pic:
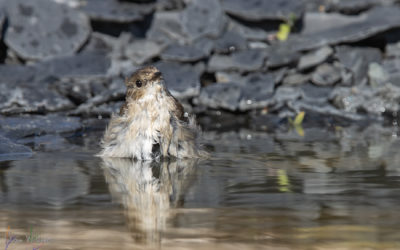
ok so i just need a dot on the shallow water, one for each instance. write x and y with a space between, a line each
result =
327 189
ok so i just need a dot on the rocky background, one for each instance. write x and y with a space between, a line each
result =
63 62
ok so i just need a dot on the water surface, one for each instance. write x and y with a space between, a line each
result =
328 189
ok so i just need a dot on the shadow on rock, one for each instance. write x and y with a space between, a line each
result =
148 191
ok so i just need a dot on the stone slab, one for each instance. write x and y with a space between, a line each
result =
375 21
245 60
35 125
182 80
183 53
203 18
255 10
116 11
34 34
314 58
31 99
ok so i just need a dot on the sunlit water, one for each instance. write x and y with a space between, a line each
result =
328 189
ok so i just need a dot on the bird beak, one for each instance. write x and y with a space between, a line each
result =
157 76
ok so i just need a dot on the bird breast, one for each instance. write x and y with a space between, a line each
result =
149 116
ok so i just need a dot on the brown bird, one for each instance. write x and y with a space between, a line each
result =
151 123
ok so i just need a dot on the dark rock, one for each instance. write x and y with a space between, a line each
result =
183 53
80 89
347 76
2 18
139 1
249 33
48 143
116 11
392 69
204 44
99 42
257 91
314 94
166 28
181 80
91 63
357 60
314 58
246 60
220 96
107 109
34 34
203 18
140 51
229 42
77 91
314 22
317 6
373 100
10 150
357 6
114 92
377 75
323 109
347 99
294 78
326 74
19 127
17 74
100 111
281 56
31 99
393 50
375 21
254 10
228 76
386 98
284 94
170 4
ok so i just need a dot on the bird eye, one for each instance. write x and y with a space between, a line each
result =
138 83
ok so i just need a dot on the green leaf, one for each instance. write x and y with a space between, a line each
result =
299 130
283 181
284 31
299 118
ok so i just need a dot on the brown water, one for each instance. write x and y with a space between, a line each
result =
328 189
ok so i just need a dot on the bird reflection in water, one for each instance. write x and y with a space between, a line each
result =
148 191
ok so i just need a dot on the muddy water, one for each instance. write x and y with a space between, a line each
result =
324 189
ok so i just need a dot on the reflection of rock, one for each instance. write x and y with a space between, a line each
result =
148 190
10 150
49 179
